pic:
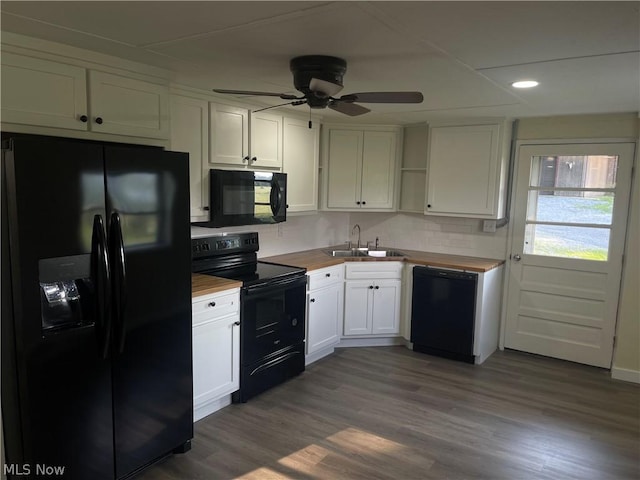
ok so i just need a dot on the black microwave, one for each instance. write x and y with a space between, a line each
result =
244 197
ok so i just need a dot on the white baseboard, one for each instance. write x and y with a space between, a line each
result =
371 342
315 356
210 407
625 374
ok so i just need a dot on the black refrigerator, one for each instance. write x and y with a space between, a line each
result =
96 306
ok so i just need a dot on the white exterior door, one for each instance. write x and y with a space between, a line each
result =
570 211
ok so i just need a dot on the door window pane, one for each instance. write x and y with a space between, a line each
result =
586 243
575 171
595 208
573 193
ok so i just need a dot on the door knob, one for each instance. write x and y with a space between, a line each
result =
516 257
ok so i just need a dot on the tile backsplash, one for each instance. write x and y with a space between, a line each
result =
301 232
457 236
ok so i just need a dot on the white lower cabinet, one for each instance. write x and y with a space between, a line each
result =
216 351
372 298
325 302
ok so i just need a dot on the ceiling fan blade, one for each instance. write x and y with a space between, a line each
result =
384 97
328 89
351 109
297 102
284 96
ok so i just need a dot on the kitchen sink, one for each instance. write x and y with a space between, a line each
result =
352 252
385 253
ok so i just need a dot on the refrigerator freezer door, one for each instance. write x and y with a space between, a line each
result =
148 208
55 187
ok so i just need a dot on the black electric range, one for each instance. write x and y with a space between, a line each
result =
272 309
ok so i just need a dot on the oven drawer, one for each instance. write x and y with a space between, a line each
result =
215 306
325 276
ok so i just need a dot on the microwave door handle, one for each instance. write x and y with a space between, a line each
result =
276 197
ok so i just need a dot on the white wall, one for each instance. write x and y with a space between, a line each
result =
457 236
298 233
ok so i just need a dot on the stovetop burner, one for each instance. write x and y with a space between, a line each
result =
233 256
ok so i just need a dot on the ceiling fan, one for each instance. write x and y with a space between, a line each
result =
319 78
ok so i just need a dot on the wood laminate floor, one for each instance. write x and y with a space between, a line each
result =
390 413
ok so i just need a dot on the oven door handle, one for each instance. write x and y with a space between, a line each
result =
274 362
273 285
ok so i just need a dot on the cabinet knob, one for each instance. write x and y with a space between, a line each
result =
327 274
236 323
254 159
364 203
357 203
370 287
429 205
212 304
84 118
206 209
99 120
377 287
245 159
312 300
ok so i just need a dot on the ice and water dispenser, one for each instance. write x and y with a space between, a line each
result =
65 293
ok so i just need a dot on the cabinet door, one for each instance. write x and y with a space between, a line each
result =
324 318
345 169
229 138
378 169
300 163
357 307
190 133
126 106
386 307
44 93
463 170
266 140
216 357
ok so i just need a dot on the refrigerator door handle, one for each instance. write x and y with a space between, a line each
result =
119 278
100 275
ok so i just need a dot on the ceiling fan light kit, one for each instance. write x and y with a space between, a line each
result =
319 78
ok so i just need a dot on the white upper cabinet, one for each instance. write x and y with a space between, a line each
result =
125 106
265 131
467 169
45 93
190 133
239 138
300 163
361 167
229 139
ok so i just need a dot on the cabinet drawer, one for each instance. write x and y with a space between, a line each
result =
215 306
325 276
370 270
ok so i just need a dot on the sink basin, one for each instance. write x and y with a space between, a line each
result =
353 252
385 253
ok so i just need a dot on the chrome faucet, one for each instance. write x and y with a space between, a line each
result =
352 230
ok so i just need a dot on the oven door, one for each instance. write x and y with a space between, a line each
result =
247 197
272 317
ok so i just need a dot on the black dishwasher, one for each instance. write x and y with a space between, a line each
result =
443 312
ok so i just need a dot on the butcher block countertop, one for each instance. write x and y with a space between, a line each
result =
206 284
319 258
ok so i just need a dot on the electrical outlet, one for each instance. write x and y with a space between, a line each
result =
489 226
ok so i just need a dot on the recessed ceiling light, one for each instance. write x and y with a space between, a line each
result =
525 84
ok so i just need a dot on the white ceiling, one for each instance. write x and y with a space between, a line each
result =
461 55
